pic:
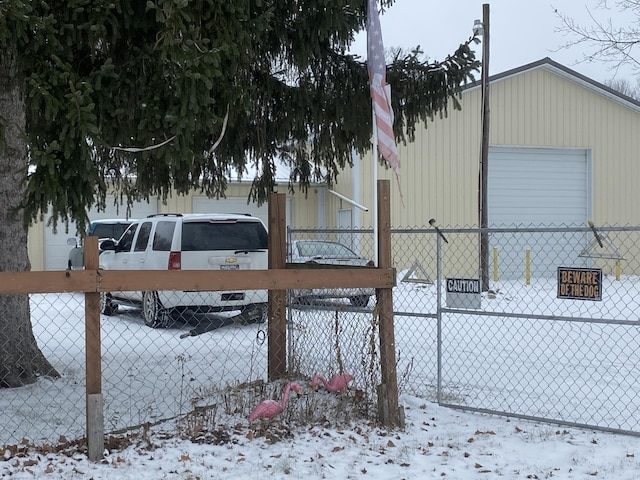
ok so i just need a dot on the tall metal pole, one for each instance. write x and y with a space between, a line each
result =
484 153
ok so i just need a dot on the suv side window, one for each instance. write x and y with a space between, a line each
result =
163 236
143 237
126 242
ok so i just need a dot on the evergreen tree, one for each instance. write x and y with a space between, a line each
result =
143 98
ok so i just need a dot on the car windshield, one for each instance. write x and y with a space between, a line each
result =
324 249
201 236
109 230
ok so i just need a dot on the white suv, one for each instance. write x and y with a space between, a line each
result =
189 242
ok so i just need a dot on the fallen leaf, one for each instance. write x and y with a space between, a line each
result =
477 465
390 444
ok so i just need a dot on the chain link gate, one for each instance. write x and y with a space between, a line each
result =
535 351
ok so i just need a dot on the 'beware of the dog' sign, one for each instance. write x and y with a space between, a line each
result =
580 283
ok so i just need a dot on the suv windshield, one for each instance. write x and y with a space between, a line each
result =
324 249
108 230
200 236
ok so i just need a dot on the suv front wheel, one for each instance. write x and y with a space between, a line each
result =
155 315
107 307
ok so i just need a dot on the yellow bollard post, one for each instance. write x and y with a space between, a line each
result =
527 267
618 270
495 264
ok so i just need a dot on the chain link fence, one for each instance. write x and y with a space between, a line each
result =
148 374
523 351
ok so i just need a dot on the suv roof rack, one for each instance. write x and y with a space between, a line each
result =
164 215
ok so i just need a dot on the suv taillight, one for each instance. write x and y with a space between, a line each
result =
175 261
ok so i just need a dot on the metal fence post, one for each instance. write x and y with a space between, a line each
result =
95 415
439 316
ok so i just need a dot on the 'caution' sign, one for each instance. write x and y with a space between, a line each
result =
580 283
463 293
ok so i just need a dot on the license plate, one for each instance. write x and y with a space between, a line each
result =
229 267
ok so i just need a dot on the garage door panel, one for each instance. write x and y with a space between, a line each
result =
536 187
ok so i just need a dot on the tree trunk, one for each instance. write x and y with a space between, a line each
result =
21 361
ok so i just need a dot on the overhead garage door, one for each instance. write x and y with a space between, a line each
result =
56 250
203 204
538 187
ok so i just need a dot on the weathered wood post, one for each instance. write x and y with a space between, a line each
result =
95 414
277 327
388 391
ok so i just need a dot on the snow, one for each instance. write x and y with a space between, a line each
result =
321 435
436 443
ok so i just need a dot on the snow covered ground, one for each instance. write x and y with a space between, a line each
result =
437 443
153 375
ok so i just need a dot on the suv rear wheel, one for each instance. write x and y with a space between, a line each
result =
155 315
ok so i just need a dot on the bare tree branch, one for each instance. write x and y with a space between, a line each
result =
612 34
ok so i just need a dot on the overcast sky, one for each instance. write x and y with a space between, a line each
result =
521 32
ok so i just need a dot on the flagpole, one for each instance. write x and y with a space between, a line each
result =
374 166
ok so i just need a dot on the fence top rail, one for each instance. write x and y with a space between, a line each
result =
466 230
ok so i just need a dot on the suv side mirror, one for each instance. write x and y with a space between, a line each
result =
109 244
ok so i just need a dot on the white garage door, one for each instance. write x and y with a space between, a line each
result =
538 187
56 250
236 205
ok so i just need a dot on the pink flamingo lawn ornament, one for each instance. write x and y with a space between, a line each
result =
337 383
271 408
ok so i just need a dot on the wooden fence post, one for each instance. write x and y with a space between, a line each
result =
94 401
277 327
389 412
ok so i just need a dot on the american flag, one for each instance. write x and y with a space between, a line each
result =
380 90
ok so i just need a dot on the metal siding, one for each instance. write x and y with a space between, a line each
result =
535 108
